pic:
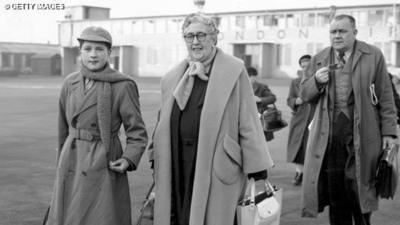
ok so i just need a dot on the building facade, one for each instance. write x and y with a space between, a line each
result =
269 40
29 58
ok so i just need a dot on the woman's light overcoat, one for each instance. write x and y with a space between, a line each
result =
231 144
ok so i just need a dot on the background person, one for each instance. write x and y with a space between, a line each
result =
263 97
354 120
91 185
208 137
301 118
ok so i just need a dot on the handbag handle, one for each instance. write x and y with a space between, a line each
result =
271 106
252 187
150 190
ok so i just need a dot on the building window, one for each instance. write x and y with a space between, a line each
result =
114 62
239 21
279 55
6 60
361 18
275 20
375 17
323 19
161 26
152 58
281 21
389 19
173 25
28 60
251 22
288 55
86 13
309 20
223 23
217 21
387 51
284 55
290 21
149 27
267 20
137 27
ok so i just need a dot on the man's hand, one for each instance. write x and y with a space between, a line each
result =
298 101
322 75
257 99
119 165
388 142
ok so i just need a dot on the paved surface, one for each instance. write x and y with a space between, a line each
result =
28 113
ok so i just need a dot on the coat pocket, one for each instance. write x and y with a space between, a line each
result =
228 160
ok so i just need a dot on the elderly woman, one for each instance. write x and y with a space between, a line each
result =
91 184
208 136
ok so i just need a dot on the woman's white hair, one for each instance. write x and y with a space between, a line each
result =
201 18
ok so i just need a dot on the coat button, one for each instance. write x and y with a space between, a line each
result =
94 125
84 173
73 144
317 156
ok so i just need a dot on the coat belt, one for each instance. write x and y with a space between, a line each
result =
82 134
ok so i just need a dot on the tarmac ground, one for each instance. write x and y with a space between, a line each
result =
28 115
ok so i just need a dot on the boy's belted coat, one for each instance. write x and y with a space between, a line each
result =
231 144
86 191
371 122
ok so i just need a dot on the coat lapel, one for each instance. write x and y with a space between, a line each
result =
85 101
224 75
163 145
76 89
323 61
360 48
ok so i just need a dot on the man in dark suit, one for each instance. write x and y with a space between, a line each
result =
354 120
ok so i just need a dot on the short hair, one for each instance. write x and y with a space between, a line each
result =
201 18
345 16
108 45
308 57
251 71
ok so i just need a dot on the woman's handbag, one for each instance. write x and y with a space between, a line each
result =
271 119
263 208
147 211
388 173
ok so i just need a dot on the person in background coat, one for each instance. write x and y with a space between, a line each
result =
301 118
263 96
208 137
396 97
91 185
354 120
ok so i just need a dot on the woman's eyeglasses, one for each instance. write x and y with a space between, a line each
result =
190 37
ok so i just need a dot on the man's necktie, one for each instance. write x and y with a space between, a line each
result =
88 83
341 59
